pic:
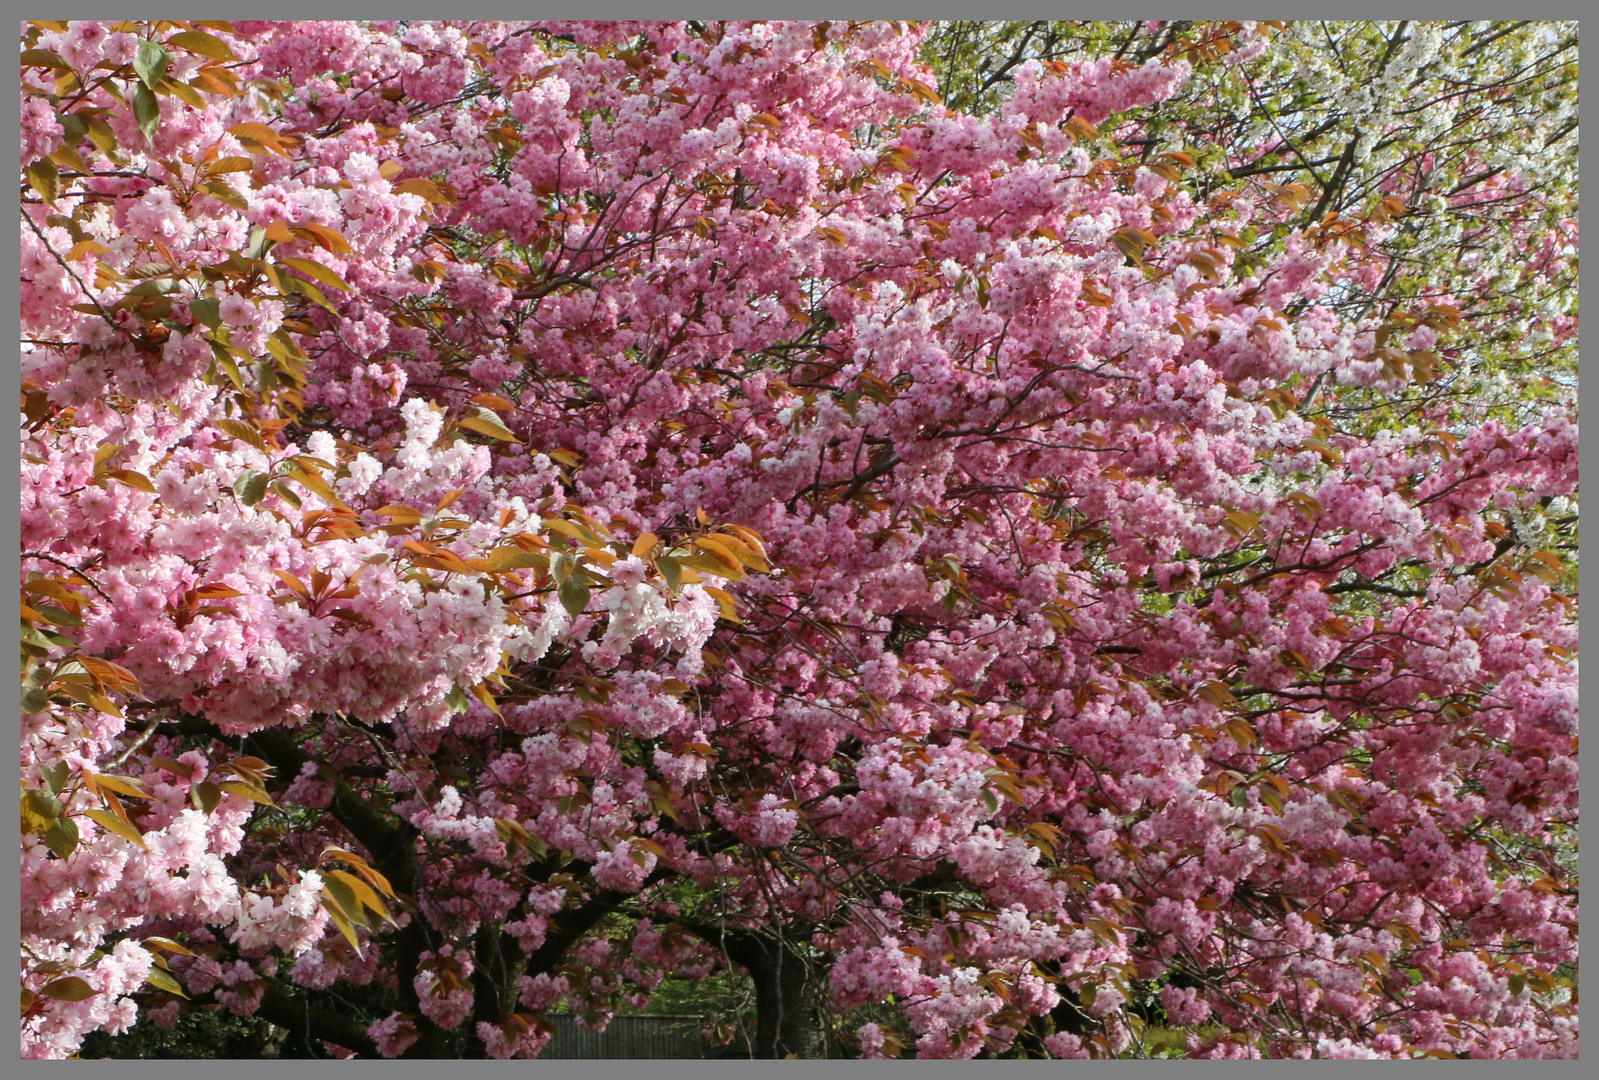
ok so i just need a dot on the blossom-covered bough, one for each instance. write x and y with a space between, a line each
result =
513 513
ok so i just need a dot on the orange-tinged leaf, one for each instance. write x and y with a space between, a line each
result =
249 791
713 564
203 44
293 582
1241 732
485 422
113 824
362 891
90 697
260 133
1240 523
404 515
343 853
427 189
328 239
567 528
132 479
123 785
176 768
724 601
481 692
86 247
225 165
108 674
749 536
721 549
750 555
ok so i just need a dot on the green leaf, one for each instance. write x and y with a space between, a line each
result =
146 110
35 701
314 269
56 778
163 980
574 594
341 921
165 944
113 824
43 803
251 487
62 837
185 93
229 366
363 892
150 64
101 135
305 288
43 58
39 810
671 571
226 194
45 178
344 897
206 796
35 637
70 988
208 311
160 286
57 616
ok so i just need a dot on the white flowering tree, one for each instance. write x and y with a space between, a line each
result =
1461 134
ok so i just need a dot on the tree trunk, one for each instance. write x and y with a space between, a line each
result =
787 1023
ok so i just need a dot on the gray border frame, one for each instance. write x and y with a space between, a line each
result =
713 1070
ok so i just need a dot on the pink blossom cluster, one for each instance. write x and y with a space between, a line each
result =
578 457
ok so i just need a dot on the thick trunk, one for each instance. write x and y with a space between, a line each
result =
787 1023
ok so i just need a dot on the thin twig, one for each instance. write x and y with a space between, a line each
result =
70 272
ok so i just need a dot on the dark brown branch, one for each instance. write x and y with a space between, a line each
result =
301 1017
568 926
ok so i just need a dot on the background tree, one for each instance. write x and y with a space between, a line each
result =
395 394
1461 135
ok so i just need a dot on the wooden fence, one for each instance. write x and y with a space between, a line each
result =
628 1037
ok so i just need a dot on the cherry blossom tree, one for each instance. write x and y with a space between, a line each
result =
517 512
